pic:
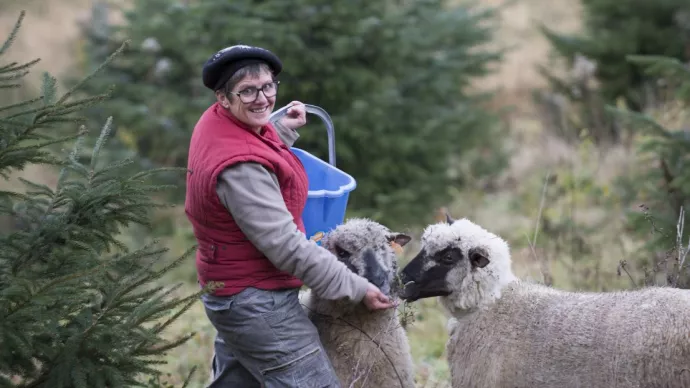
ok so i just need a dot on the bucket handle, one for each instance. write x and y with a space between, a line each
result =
325 117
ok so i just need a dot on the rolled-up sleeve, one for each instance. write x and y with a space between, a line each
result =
252 195
287 135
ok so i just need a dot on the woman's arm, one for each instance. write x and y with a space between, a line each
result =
286 135
252 195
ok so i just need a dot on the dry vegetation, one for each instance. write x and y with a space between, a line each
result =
511 209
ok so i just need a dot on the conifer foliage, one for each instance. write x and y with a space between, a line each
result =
598 72
613 29
77 308
664 182
394 76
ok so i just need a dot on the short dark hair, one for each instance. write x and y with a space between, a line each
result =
252 70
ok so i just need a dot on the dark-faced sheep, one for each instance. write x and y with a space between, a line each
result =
505 332
366 348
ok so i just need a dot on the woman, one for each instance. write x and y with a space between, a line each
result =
245 195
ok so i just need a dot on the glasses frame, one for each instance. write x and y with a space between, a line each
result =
256 95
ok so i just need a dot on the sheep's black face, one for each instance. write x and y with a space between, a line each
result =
364 246
369 266
425 276
444 260
429 275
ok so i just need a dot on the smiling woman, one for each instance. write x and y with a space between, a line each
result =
255 88
246 191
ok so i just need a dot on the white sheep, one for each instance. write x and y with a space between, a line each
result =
367 349
505 332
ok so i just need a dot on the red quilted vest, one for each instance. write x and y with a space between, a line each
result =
224 253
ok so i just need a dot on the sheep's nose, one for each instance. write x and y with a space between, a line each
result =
410 291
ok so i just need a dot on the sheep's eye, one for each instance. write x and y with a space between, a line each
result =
449 256
340 252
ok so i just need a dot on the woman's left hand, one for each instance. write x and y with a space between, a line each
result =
296 116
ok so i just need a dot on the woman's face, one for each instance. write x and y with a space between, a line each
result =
256 113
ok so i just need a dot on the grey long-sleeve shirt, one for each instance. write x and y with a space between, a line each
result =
252 195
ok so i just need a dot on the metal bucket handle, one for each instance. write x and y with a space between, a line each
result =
325 117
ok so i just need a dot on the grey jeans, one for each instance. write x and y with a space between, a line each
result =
265 339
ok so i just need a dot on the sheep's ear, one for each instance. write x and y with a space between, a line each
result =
399 238
479 258
449 218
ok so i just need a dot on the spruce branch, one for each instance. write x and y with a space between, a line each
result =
13 34
43 289
12 77
49 89
105 132
657 65
15 66
107 62
641 120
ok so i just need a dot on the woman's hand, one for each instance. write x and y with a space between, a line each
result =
374 299
296 116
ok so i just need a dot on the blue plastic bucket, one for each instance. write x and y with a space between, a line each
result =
329 191
329 187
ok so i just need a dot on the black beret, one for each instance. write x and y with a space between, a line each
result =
223 64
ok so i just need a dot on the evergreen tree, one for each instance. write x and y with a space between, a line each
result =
393 75
598 73
77 308
663 181
613 29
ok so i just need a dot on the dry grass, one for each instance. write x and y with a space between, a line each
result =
49 31
517 74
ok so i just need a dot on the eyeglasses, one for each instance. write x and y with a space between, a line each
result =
251 93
